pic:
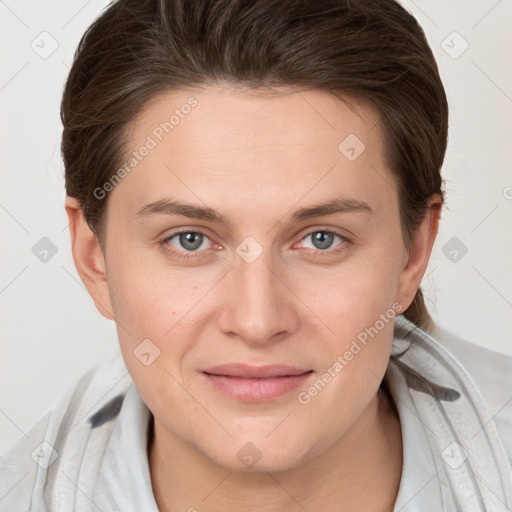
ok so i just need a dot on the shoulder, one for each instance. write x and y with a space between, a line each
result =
62 437
492 373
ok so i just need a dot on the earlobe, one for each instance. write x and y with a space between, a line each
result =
89 258
419 253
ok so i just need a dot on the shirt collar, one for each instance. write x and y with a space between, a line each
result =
124 480
419 489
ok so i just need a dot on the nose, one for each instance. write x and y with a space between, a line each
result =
259 307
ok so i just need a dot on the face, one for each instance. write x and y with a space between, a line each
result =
218 252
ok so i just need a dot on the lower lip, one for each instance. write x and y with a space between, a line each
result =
256 390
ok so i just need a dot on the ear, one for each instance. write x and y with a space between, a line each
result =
419 253
88 257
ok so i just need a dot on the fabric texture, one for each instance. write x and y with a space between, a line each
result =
89 453
471 465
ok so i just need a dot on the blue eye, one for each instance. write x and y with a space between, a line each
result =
191 241
322 239
187 241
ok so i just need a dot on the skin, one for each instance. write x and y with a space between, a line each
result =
256 160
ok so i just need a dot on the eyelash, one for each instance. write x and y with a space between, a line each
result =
193 254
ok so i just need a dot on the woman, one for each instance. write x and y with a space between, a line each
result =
254 191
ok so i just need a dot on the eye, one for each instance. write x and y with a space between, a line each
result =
188 241
323 240
186 244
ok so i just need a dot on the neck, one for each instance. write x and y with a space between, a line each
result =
361 471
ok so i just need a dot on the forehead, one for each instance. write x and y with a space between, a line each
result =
237 116
278 144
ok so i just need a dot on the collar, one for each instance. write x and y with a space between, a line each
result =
419 489
124 480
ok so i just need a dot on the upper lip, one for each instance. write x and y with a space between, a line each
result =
245 371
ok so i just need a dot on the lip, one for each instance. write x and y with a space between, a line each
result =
246 371
256 383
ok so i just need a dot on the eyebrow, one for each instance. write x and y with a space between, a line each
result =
332 207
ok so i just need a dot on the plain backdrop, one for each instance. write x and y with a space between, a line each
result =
50 330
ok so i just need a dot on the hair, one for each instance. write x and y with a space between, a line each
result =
371 50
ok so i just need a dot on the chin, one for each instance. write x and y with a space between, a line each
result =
259 455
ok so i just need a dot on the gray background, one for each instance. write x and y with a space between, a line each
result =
50 331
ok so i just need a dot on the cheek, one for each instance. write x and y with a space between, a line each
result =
359 312
158 311
151 297
352 295
356 302
151 313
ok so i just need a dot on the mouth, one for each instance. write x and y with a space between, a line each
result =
256 383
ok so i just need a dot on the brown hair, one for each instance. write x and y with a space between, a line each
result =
373 50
